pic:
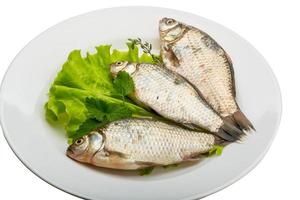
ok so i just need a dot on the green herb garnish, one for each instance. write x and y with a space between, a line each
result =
216 150
146 171
84 95
105 111
147 48
124 84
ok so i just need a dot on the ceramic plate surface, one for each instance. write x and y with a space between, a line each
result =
41 147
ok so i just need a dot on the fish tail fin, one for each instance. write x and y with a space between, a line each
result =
241 120
229 132
220 141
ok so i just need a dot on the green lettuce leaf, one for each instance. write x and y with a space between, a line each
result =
84 93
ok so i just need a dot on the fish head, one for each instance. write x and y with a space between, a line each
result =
170 29
126 66
167 24
85 147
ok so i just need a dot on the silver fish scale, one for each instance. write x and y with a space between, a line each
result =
204 63
150 141
172 97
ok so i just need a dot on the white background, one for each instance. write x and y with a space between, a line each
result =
273 27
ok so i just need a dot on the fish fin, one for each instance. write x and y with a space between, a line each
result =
229 119
220 141
192 157
141 104
221 137
230 133
231 73
114 160
118 158
190 126
168 54
147 164
135 100
242 121
116 153
225 136
194 127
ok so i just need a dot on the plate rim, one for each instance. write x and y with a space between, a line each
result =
192 197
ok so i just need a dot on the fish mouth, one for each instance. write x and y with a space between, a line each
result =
113 73
161 22
70 152
162 19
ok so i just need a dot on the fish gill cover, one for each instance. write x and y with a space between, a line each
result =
84 95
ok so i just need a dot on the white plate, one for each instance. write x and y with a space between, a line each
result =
41 147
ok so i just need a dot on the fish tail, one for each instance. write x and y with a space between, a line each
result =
229 132
241 120
220 141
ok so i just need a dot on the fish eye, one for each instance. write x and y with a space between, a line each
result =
170 21
119 63
79 141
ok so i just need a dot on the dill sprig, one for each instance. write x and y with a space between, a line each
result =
147 48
